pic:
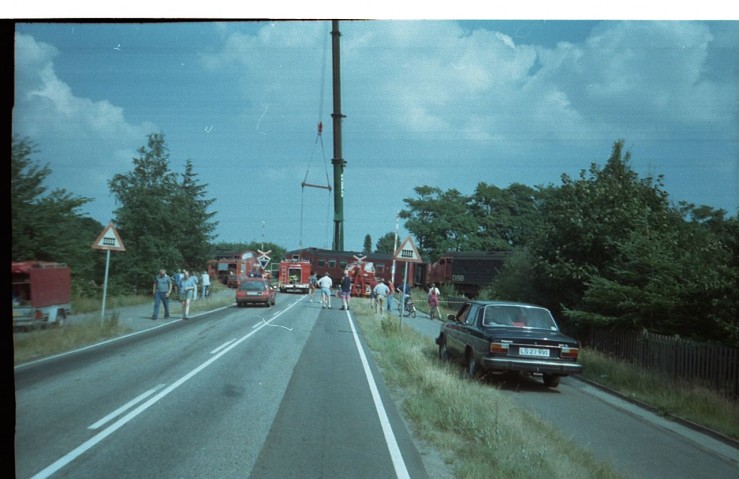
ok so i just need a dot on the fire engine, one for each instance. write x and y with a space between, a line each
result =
231 268
294 276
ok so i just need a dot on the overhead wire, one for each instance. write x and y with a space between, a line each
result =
318 140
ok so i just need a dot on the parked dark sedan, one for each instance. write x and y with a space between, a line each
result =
501 336
255 291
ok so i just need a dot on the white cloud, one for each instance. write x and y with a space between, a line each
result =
88 141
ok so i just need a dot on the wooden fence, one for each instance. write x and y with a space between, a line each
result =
714 365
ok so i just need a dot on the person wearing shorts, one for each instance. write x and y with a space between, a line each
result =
325 284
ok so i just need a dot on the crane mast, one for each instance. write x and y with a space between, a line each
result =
337 161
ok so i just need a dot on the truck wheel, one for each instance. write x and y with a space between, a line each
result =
61 317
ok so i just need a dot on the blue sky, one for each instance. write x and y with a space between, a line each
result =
428 102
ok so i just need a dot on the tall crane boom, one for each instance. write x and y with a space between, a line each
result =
338 161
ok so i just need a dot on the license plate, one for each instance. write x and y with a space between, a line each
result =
254 293
533 352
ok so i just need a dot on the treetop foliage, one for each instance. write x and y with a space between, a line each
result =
606 249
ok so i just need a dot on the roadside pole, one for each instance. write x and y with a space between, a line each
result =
408 253
107 241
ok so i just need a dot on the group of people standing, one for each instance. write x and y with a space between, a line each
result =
186 288
381 294
325 284
184 285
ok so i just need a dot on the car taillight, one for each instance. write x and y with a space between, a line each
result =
569 353
499 348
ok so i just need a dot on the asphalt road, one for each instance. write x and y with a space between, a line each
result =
244 392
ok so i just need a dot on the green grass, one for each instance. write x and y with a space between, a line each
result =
689 401
41 343
481 431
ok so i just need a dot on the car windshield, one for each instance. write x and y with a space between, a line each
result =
252 286
518 316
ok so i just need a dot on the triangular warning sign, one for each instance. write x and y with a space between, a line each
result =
408 252
109 240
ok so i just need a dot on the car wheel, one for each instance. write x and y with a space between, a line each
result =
551 380
443 351
471 365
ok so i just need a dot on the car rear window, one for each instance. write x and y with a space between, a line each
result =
518 316
252 286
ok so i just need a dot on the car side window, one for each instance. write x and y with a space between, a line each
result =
473 316
462 314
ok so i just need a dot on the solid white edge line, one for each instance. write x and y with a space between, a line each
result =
85 446
392 444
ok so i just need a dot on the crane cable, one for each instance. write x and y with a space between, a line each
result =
319 138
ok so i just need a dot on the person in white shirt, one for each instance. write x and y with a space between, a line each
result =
381 291
434 302
325 283
205 282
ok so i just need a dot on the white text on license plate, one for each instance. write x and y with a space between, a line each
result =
533 352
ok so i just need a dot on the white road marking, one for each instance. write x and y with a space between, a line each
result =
222 346
392 444
125 407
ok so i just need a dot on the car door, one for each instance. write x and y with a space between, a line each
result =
470 332
454 334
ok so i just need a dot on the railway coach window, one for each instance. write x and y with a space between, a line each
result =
321 262
332 263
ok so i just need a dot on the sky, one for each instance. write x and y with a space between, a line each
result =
435 102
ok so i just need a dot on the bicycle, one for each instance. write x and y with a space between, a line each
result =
407 306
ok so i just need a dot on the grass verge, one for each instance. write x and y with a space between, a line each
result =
44 342
508 441
689 401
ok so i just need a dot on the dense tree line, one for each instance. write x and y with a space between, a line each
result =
605 250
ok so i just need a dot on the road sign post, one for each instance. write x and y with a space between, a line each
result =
107 241
407 253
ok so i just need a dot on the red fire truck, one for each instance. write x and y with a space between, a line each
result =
231 268
41 293
294 276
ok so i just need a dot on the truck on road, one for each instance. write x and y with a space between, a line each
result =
295 276
41 293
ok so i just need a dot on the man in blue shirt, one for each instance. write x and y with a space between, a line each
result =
162 289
